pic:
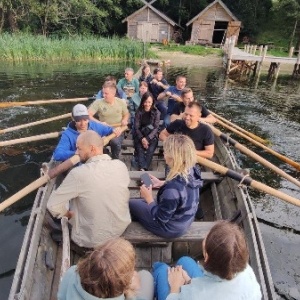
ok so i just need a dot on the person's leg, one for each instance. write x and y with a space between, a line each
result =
140 153
160 105
150 151
146 291
161 283
116 144
190 266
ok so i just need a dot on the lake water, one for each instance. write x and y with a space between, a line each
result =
270 111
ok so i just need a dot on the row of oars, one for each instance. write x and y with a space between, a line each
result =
214 166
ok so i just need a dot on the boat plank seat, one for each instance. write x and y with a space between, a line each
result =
137 234
206 176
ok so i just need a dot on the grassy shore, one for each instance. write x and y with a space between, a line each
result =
25 47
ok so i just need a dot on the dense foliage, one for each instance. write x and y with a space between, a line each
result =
104 17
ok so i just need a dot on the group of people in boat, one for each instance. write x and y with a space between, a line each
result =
95 196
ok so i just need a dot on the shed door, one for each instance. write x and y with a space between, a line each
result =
233 29
147 32
205 31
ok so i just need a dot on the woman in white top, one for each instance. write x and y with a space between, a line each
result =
225 273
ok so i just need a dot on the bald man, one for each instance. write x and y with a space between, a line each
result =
94 195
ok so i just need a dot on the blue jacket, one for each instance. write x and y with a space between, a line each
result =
177 203
67 144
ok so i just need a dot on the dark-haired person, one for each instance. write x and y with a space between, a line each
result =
80 123
146 74
225 273
146 125
174 94
107 273
119 92
187 97
200 133
156 86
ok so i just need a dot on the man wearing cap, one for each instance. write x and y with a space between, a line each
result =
110 110
80 123
94 196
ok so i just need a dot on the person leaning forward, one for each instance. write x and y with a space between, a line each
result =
96 192
110 110
200 133
80 123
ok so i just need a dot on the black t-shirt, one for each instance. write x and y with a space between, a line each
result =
202 135
156 89
146 118
179 108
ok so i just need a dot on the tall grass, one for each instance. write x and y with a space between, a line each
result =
23 47
193 49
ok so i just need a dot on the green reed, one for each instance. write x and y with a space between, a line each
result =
23 47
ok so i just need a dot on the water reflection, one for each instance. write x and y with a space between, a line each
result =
270 113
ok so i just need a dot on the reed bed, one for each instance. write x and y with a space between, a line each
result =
23 47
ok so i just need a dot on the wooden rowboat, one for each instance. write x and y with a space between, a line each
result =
41 260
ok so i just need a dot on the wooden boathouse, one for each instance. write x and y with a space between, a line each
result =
214 24
149 24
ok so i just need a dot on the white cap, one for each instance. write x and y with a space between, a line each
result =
80 112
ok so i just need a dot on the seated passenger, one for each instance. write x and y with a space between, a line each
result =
225 273
134 102
81 123
174 209
107 273
129 84
179 107
146 126
111 111
200 133
94 196
119 93
146 74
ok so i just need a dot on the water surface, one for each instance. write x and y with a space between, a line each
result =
269 111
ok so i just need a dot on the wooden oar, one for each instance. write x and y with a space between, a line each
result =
252 135
278 155
33 138
250 153
247 180
51 174
35 123
39 102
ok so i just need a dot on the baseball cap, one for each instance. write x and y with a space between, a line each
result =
80 112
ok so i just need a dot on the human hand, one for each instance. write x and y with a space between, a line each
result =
146 193
169 94
124 122
156 183
154 81
145 143
175 278
117 131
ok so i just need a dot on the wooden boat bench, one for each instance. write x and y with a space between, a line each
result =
151 248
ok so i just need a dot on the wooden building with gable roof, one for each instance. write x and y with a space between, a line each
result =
149 24
214 24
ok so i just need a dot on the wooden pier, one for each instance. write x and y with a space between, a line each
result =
252 57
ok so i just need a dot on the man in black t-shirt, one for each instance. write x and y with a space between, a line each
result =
188 97
200 133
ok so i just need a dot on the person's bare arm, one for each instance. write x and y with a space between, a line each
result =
92 118
161 96
125 118
174 117
163 135
209 119
208 152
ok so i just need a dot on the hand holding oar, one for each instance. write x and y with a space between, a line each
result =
250 153
38 102
252 135
66 165
33 138
35 123
247 180
278 155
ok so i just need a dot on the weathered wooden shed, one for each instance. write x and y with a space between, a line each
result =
214 24
149 24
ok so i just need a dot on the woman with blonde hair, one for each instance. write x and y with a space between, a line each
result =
174 209
225 273
107 272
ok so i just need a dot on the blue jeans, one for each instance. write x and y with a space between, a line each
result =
160 274
116 145
144 156
160 105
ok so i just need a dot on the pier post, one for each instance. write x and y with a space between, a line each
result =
262 60
260 50
296 66
230 53
291 52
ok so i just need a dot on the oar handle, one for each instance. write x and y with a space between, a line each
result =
247 180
